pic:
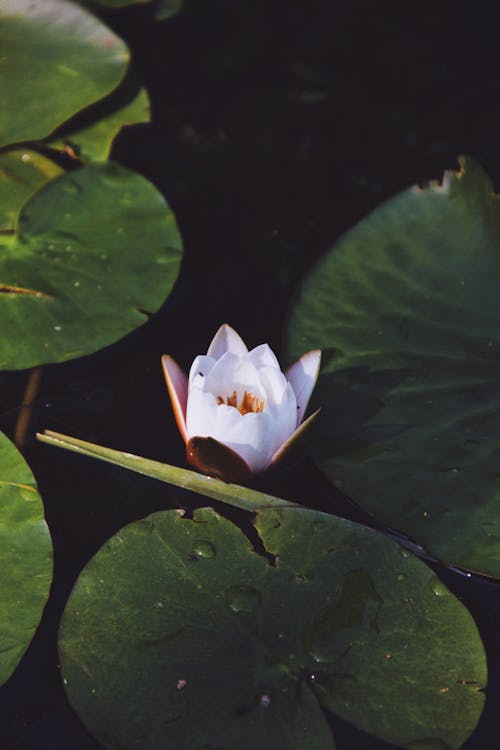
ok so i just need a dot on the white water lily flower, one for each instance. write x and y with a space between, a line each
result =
237 412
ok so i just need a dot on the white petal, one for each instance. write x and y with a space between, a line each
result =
201 415
232 373
263 356
303 375
252 437
220 379
226 340
284 417
200 368
227 419
177 384
246 378
274 383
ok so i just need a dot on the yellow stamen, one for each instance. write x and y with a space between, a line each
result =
249 402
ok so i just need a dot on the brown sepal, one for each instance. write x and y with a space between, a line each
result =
210 457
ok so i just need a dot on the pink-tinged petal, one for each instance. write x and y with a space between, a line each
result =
210 457
285 453
177 384
302 376
226 340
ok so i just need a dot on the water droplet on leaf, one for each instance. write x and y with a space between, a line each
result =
205 549
438 588
243 598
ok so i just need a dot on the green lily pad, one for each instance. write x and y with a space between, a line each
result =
95 251
25 558
93 141
178 635
56 60
22 173
407 311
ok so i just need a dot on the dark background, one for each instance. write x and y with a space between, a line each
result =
276 125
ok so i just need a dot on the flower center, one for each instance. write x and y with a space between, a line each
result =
249 402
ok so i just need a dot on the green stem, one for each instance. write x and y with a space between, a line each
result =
232 494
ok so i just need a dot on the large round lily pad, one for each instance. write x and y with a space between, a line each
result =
95 251
407 311
25 557
179 635
56 60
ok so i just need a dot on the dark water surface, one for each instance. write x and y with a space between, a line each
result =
276 126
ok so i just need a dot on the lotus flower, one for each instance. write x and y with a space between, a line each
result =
237 412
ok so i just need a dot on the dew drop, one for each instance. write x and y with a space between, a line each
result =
318 655
57 328
243 598
205 549
404 552
438 588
